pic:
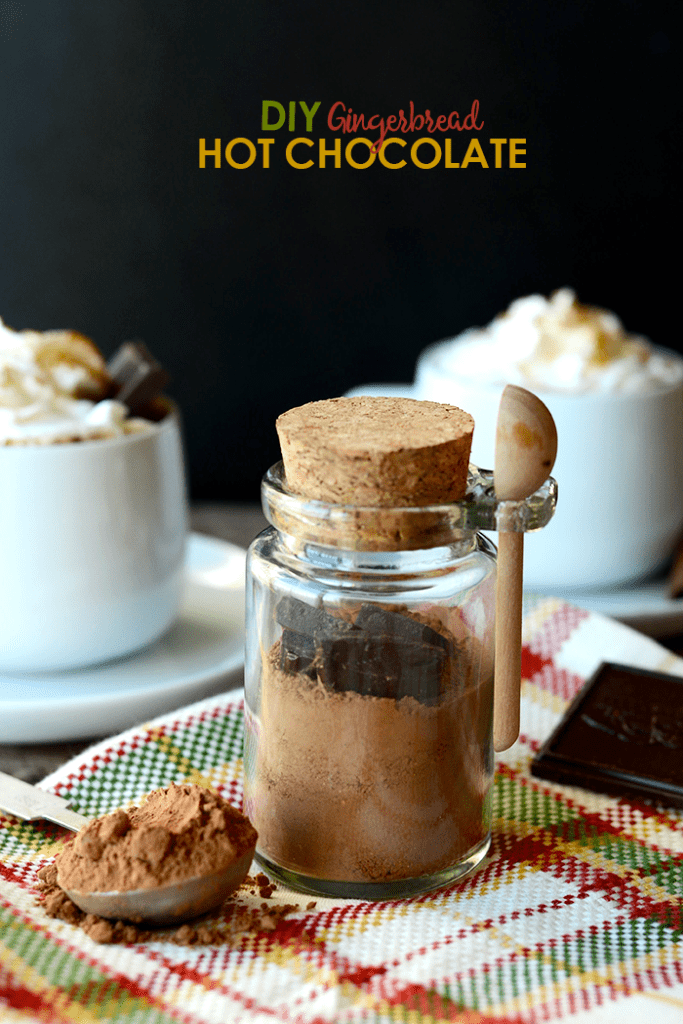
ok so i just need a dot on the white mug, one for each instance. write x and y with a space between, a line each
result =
92 538
619 471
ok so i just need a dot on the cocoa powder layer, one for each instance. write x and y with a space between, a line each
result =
350 787
176 834
376 451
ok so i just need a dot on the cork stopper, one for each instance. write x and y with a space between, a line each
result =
376 451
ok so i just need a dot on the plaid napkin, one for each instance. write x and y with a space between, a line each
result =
576 912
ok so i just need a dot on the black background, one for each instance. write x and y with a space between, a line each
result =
262 289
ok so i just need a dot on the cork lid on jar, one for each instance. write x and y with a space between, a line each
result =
376 451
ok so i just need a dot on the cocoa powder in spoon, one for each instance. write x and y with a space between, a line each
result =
176 834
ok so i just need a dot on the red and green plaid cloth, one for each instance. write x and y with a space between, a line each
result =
576 913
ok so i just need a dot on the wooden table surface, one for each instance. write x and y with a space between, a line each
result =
237 523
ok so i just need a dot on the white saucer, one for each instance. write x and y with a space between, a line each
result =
191 661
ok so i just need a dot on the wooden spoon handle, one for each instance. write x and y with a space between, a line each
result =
508 664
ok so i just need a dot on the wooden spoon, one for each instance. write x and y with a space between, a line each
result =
526 446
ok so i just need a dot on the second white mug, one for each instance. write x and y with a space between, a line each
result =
619 471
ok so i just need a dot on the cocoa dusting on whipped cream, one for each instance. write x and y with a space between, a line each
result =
557 345
178 833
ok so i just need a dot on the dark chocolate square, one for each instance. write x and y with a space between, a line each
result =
378 620
137 375
622 735
383 654
309 620
297 653
380 666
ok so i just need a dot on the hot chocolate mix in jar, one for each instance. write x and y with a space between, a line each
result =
369 673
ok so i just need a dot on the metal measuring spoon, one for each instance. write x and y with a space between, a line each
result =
163 905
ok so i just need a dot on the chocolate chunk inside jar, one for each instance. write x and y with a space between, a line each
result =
369 668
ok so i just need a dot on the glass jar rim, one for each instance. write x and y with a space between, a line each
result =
404 527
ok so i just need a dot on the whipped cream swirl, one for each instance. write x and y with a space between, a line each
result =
558 344
54 387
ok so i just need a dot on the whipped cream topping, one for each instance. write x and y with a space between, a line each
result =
52 388
558 344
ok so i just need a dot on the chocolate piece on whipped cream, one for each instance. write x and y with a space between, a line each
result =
138 376
55 389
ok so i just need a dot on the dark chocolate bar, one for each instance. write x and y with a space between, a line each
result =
622 735
138 377
304 627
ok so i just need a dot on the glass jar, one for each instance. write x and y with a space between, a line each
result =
369 688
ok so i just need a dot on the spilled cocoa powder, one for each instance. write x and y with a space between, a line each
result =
250 910
176 834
